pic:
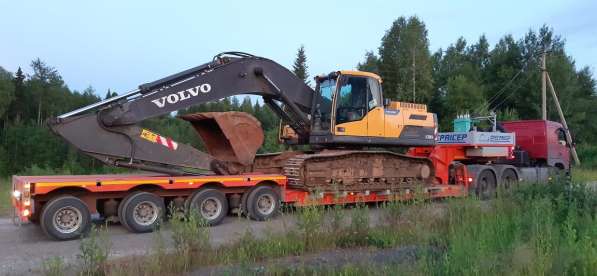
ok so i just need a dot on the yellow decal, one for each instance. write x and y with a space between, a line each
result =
149 136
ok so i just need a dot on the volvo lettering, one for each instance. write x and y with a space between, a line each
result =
182 95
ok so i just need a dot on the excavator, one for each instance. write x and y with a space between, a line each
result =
349 127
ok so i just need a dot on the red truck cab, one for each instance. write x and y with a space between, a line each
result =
544 141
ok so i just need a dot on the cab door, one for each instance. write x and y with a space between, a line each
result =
351 106
375 115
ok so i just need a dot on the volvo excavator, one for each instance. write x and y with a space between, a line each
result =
350 128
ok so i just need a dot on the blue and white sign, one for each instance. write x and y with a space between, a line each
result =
476 138
453 138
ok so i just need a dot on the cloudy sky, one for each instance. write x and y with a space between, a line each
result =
121 44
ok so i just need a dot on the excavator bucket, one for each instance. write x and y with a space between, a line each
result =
228 136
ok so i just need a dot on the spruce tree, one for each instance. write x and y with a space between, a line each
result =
109 94
299 68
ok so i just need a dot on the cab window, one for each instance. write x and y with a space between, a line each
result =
326 90
561 136
374 96
353 100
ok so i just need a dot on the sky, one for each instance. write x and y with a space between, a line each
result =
119 45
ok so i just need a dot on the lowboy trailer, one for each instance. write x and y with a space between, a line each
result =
468 162
65 206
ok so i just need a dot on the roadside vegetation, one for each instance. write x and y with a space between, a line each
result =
536 230
5 202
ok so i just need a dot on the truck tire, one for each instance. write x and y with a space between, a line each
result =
65 218
509 179
142 212
263 203
210 204
486 185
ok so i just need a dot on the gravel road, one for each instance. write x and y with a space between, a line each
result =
24 248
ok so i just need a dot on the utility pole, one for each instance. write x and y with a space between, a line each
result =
566 130
414 78
543 87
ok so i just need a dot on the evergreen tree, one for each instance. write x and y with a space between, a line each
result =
6 93
405 61
299 68
370 64
16 110
110 94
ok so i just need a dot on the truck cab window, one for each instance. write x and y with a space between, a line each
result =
352 102
561 136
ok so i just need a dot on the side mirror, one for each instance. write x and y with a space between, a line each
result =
386 102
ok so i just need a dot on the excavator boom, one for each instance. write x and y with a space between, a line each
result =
108 130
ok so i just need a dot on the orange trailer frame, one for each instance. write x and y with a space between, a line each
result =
31 192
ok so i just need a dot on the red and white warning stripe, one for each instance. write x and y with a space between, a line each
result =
167 142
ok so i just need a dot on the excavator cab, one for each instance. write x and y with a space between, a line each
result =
349 109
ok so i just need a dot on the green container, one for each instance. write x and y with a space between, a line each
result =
462 124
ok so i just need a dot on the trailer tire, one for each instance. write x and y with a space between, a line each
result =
486 185
509 179
243 202
65 218
121 214
210 204
142 212
263 203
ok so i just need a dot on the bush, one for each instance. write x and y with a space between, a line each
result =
587 155
191 238
94 252
310 219
53 266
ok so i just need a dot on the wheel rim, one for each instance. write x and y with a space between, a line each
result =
67 220
210 208
145 213
265 204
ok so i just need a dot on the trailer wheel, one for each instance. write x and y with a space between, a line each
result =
486 185
243 202
210 204
263 203
65 218
142 211
508 179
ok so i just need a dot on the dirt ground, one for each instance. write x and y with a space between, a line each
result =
24 248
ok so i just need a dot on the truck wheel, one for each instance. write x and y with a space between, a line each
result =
486 184
141 212
65 218
509 179
210 204
263 203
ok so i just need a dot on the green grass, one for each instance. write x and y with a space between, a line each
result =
583 174
5 201
541 229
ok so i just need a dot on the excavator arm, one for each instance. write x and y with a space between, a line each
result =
109 130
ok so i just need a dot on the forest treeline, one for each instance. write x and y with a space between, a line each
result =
466 77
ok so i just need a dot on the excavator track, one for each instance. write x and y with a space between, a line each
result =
336 170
